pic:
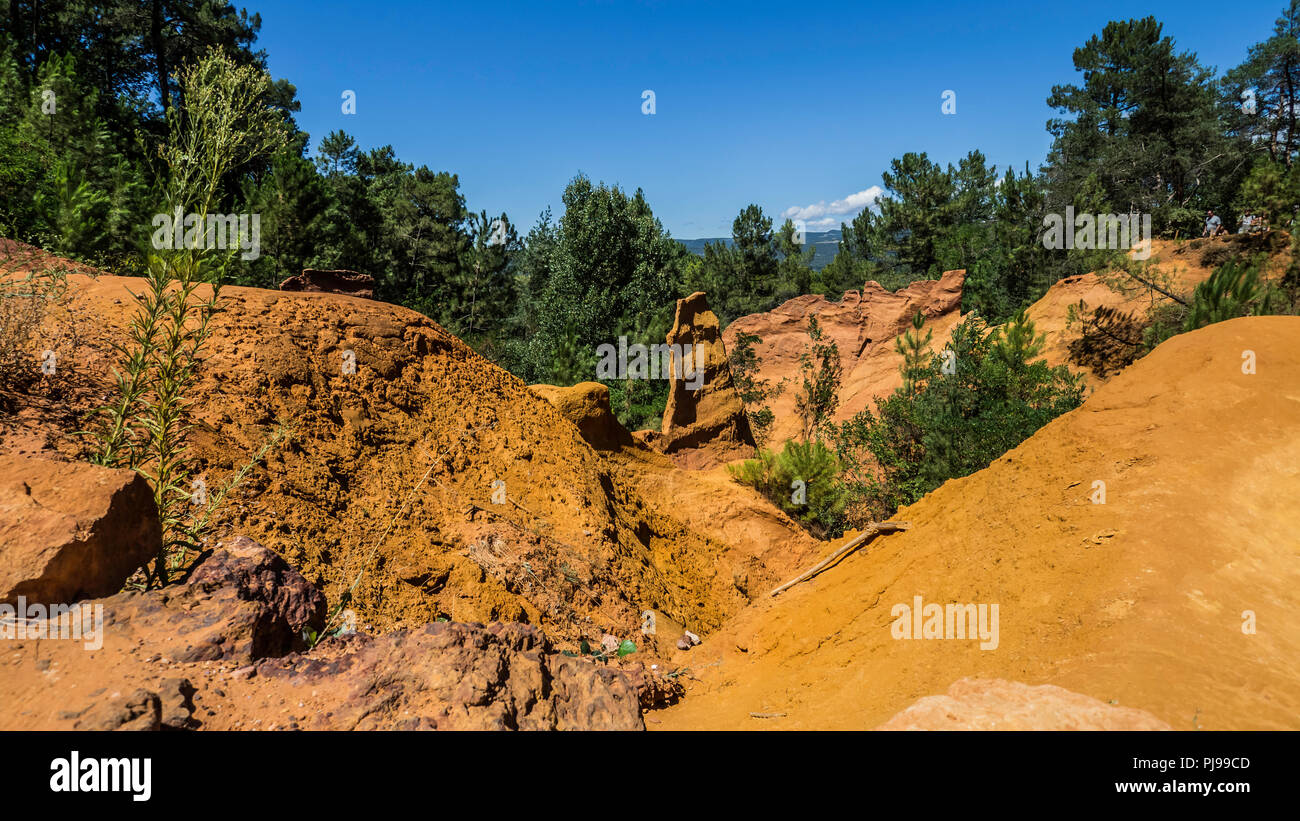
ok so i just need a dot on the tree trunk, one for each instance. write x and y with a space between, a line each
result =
1291 103
159 52
16 26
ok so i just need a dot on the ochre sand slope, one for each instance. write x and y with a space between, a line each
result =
1137 602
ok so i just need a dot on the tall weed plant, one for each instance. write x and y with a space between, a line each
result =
222 123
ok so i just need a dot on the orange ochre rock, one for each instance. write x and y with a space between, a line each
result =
863 325
704 411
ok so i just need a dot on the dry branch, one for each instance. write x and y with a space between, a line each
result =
848 547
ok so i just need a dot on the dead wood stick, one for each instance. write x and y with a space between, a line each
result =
521 507
844 550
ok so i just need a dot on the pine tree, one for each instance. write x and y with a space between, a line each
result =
338 154
915 350
292 201
794 272
820 373
1262 95
481 299
743 278
1145 123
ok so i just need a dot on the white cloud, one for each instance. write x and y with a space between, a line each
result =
822 215
824 224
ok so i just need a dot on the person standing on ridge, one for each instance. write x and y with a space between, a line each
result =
1213 225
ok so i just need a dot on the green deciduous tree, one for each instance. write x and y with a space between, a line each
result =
608 269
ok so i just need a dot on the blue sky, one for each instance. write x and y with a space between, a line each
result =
786 105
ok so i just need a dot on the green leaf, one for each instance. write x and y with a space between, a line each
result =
585 648
627 648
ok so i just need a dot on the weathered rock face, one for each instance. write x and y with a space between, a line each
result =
585 544
242 604
863 326
457 677
171 707
289 603
390 470
71 530
225 650
587 406
996 704
710 416
349 283
141 710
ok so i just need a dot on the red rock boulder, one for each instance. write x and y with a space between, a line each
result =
349 283
71 530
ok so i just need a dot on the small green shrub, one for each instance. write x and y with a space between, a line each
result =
24 303
972 403
803 480
625 648
1232 291
754 392
820 373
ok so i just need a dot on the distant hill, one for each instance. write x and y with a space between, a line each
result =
825 242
